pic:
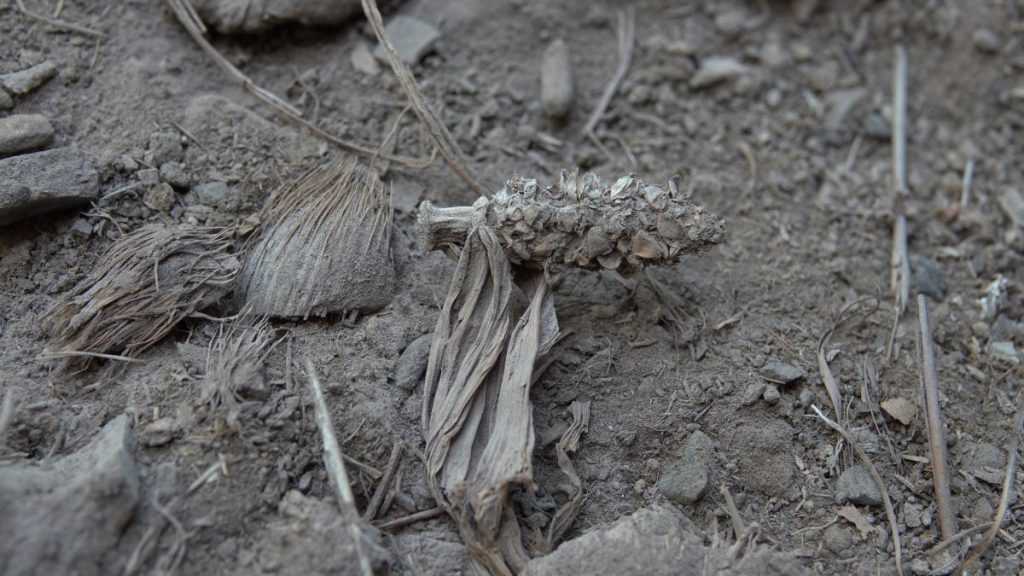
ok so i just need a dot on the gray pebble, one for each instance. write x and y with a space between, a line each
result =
217 195
781 372
928 277
876 126
731 22
771 394
362 59
24 133
839 540
24 81
164 147
556 80
174 173
160 197
412 364
685 481
806 397
148 176
45 181
412 39
986 41
6 102
716 69
856 486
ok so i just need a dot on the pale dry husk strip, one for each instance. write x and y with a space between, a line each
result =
569 443
235 358
582 222
477 417
324 245
145 284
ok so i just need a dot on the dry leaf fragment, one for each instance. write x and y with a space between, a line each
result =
855 517
901 409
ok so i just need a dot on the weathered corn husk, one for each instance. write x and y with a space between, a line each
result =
234 365
142 287
247 16
581 222
324 246
477 417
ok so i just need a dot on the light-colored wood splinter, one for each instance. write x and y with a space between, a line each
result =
582 222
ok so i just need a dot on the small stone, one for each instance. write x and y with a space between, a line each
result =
412 39
986 41
716 69
148 176
164 147
160 197
362 59
24 133
6 102
928 277
876 126
128 164
839 540
856 486
806 397
685 481
159 432
771 394
1005 351
915 515
781 372
24 81
985 462
40 182
556 80
901 409
412 364
81 229
839 103
217 195
731 22
174 173
753 392
823 77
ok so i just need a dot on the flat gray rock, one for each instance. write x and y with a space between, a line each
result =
24 133
856 486
685 480
412 364
781 373
411 38
67 517
248 16
24 81
32 184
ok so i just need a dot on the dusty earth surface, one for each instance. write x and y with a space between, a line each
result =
793 150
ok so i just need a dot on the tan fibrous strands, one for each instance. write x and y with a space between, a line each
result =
581 222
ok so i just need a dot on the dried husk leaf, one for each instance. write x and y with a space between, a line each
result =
324 246
582 222
145 284
569 443
234 362
477 416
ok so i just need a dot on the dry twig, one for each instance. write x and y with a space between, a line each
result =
6 416
626 36
900 262
384 486
188 18
336 467
933 417
446 144
965 190
412 518
57 23
890 512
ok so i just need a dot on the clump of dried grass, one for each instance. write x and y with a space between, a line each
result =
324 246
234 364
145 284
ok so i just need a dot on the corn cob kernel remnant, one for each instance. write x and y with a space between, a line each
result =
581 222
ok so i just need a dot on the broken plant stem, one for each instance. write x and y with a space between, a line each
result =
57 23
412 518
890 512
965 190
336 467
626 35
933 417
384 486
6 416
582 222
900 281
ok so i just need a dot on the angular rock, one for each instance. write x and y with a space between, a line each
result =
174 173
413 363
24 133
67 517
556 81
57 179
781 373
249 16
24 81
716 69
985 462
856 486
901 409
928 277
310 538
986 41
685 481
412 39
430 554
363 60
6 102
217 195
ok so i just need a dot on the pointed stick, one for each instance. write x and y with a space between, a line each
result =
933 417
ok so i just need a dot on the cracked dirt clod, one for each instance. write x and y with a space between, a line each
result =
56 179
67 518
